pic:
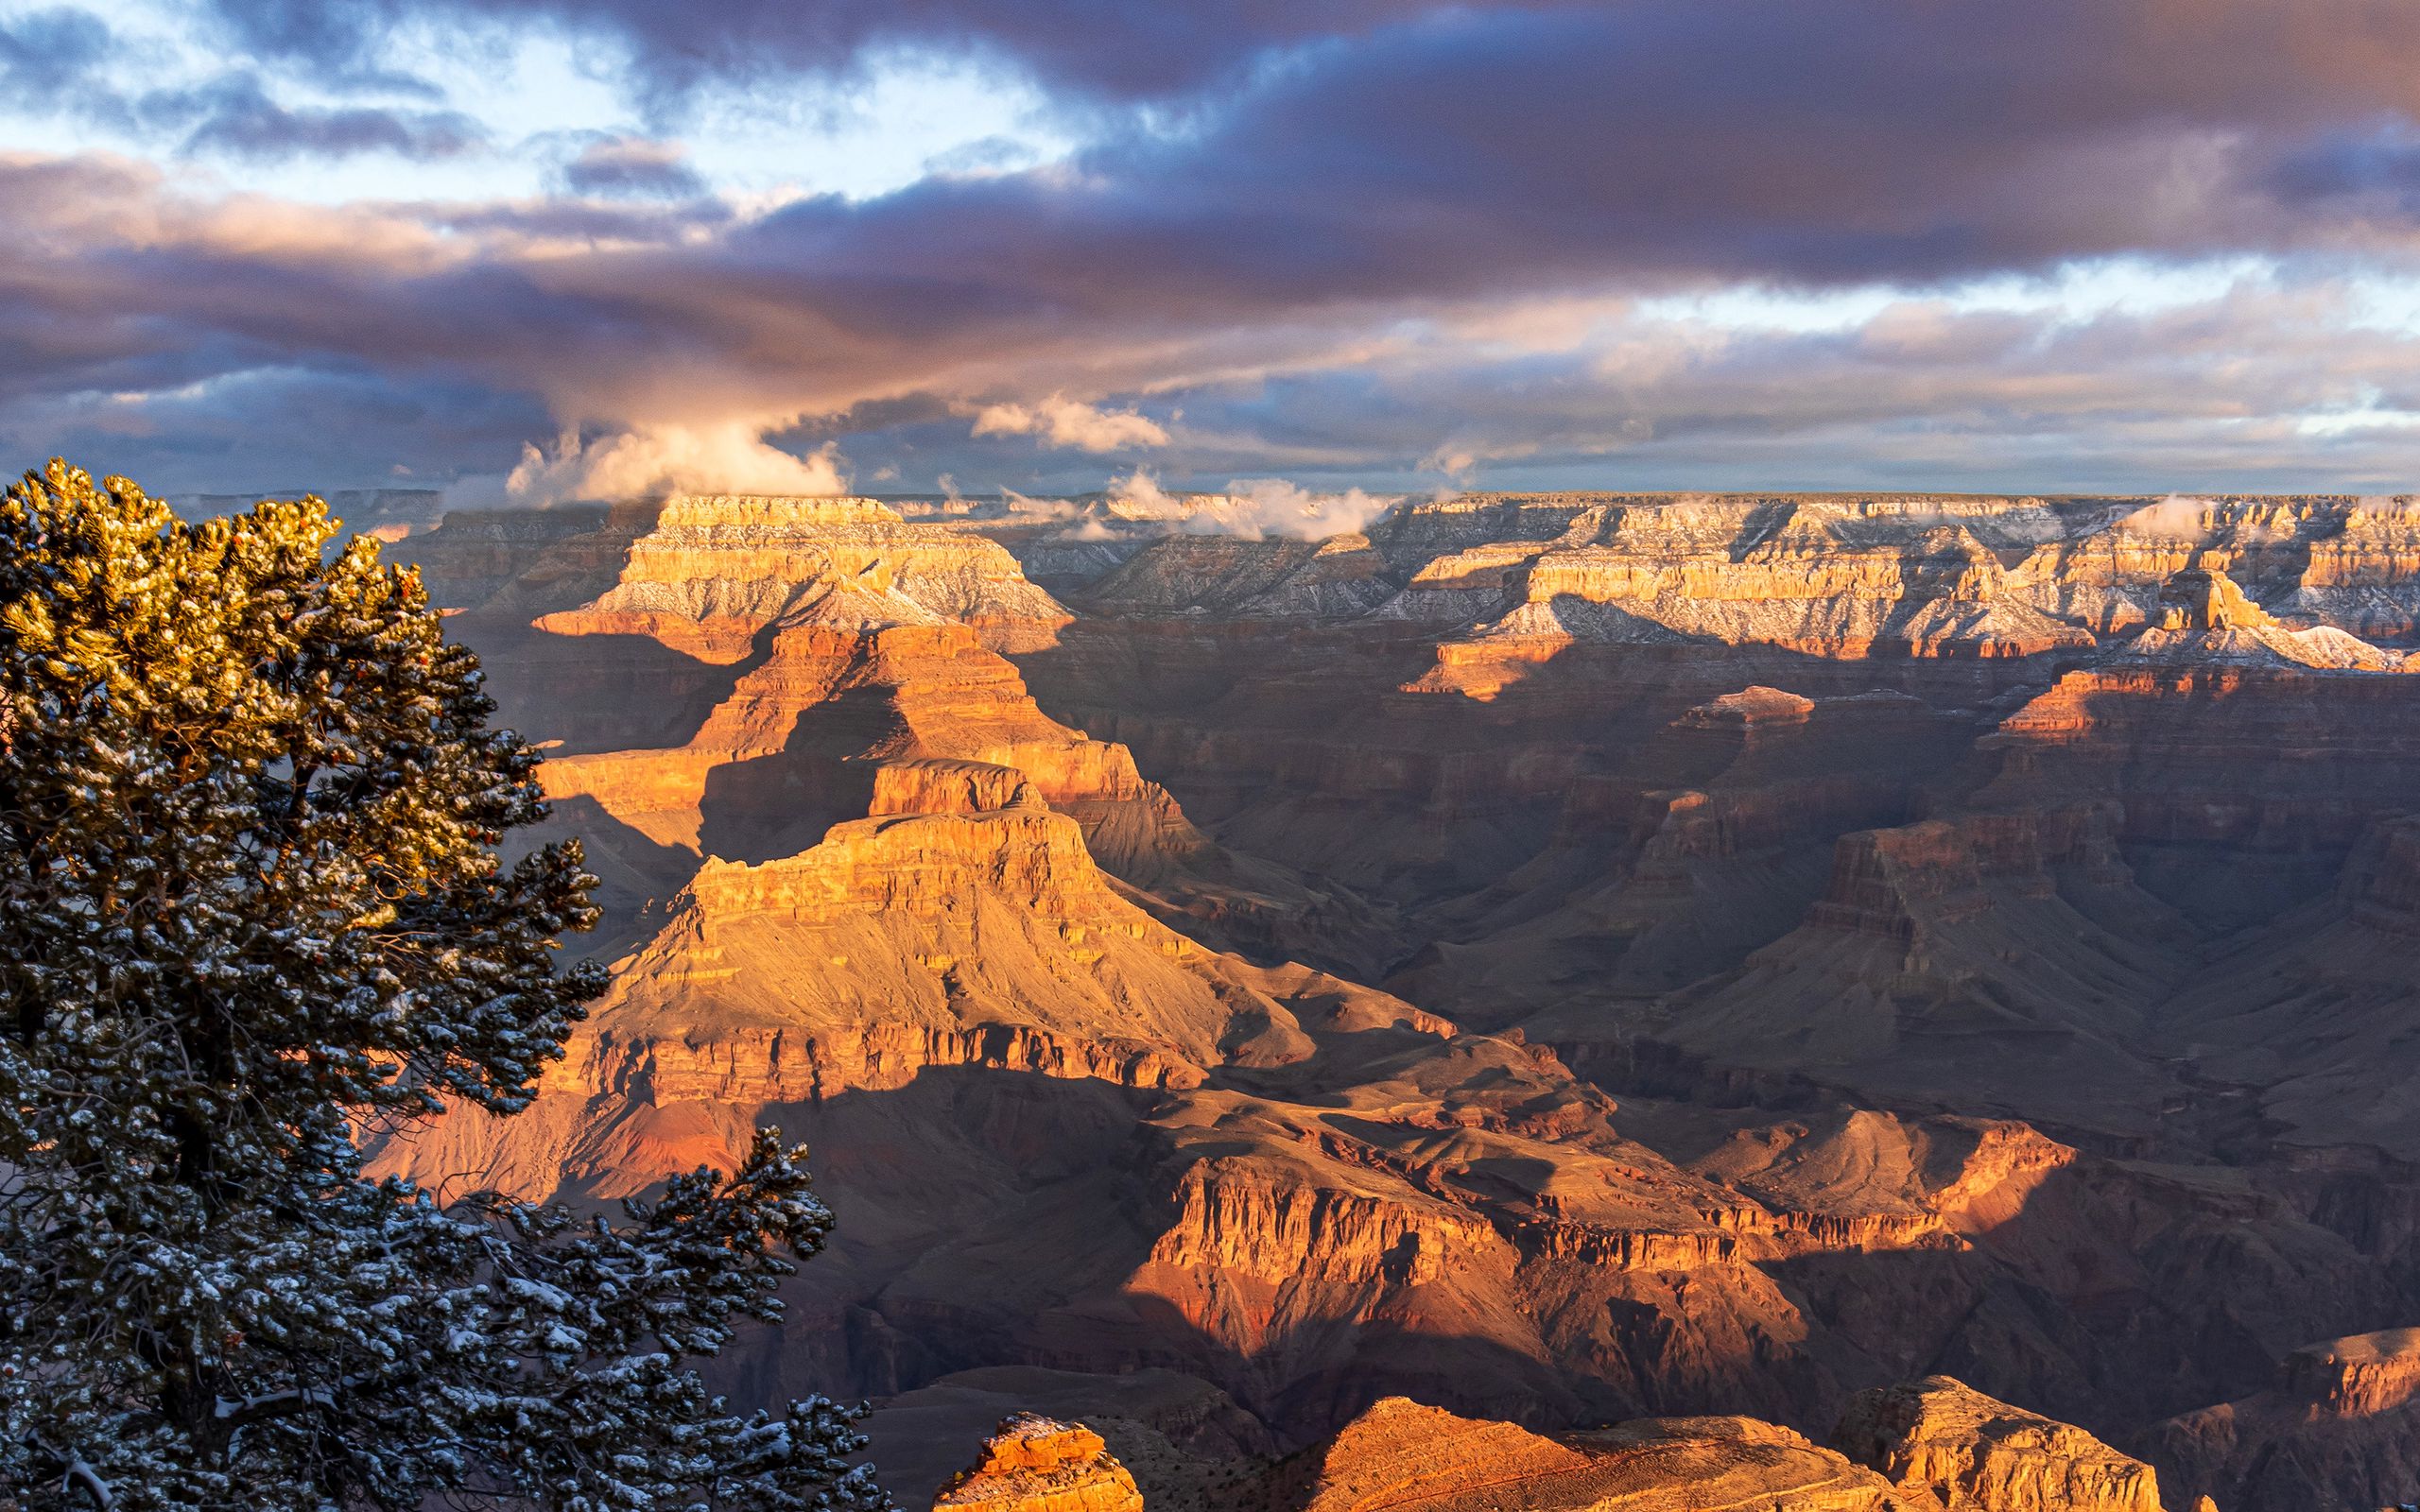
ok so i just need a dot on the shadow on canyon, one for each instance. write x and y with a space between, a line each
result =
989 1217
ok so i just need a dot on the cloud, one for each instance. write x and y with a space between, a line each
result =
273 431
53 62
986 155
1115 53
235 117
2383 164
2178 517
1273 506
1249 507
47 57
1138 496
1345 239
633 168
1062 422
653 460
114 282
1860 138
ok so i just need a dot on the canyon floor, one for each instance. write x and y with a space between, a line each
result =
1638 978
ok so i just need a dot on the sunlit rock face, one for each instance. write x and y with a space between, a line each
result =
1937 1437
1561 959
1400 1454
1035 1464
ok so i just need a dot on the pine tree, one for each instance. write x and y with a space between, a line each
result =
251 906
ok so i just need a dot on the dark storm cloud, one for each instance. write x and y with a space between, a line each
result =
1306 178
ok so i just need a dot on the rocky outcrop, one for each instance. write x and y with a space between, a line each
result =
712 570
1400 1456
2338 1432
1869 1180
1834 579
983 935
891 630
1802 577
913 689
2366 578
2241 788
1185 1442
1040 1465
2357 1376
529 561
1938 1436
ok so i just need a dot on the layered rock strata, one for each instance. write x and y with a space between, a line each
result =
1937 1437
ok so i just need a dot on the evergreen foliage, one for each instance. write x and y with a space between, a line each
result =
251 907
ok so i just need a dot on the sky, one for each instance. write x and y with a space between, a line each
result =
537 250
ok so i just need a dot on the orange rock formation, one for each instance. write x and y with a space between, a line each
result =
1037 1464
1970 1451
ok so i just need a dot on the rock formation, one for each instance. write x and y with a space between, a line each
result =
1400 1456
1567 958
2338 1432
1969 1451
1039 1464
1185 1443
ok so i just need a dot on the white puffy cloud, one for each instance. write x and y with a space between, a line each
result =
731 457
2178 517
1273 506
1249 507
1067 422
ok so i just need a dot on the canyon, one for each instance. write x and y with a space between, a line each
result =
1867 1001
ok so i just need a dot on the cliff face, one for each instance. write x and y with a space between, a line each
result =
897 944
711 572
1613 956
2339 1426
1825 576
833 603
1970 1451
